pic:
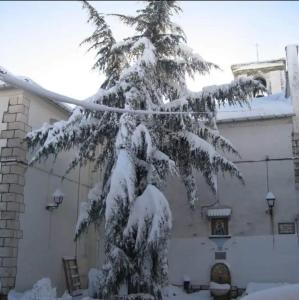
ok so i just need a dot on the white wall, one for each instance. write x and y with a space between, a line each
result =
192 252
48 236
250 259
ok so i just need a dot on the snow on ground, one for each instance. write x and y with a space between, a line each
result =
177 293
285 292
42 290
259 286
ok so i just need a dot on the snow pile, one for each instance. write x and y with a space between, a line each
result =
219 286
273 105
122 181
176 293
151 205
258 286
94 277
285 292
42 290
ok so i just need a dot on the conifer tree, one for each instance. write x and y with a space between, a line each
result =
136 152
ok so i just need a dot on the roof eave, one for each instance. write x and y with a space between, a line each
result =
255 118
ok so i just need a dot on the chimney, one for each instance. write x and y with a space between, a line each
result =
293 81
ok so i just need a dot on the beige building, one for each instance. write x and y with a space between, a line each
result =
235 226
33 239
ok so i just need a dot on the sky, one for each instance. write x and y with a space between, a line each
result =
40 39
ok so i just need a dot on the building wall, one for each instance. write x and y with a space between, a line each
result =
46 236
191 250
14 125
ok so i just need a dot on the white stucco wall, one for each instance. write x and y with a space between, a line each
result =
250 259
48 236
192 252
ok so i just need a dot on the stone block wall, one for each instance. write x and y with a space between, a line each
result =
13 165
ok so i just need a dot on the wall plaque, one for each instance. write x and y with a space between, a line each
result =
286 228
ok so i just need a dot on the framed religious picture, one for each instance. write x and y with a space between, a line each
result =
219 226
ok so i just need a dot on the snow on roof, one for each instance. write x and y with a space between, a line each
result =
277 64
219 212
268 107
285 292
66 107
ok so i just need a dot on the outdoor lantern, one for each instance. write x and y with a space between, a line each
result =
58 197
270 198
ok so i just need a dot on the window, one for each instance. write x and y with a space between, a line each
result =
219 226
262 81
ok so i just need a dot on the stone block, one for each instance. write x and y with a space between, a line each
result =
9 118
14 142
13 100
2 206
2 225
7 134
3 143
19 108
8 215
4 187
6 152
5 169
17 169
7 282
7 252
8 271
16 188
9 197
10 178
20 153
16 125
12 224
12 206
21 118
19 198
11 242
18 133
9 262
24 101
3 126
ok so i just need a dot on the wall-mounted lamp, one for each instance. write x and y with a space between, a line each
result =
270 198
57 199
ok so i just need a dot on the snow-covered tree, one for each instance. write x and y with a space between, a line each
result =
174 132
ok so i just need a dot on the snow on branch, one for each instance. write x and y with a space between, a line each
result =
89 210
236 92
41 92
150 213
122 183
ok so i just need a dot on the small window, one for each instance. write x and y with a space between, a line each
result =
261 80
219 226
